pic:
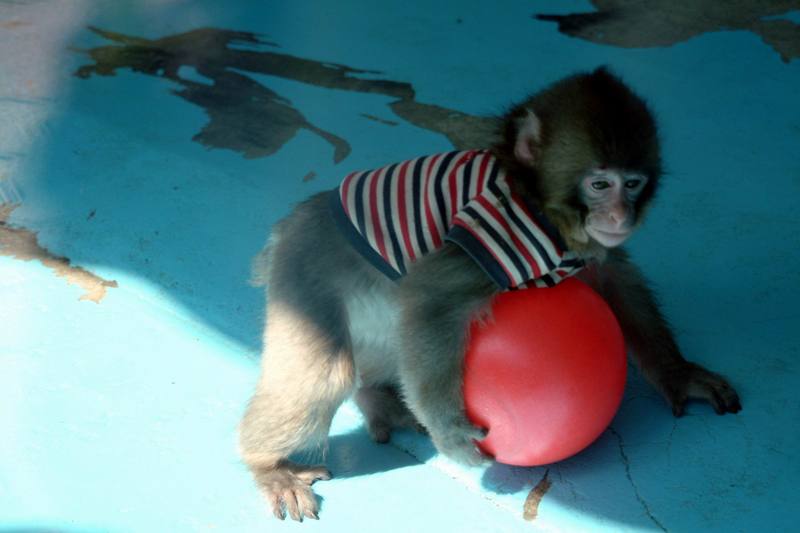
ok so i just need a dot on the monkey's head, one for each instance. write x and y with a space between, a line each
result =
585 151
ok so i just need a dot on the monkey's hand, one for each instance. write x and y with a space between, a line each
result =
289 485
456 439
684 380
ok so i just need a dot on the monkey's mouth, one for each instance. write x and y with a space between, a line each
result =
608 239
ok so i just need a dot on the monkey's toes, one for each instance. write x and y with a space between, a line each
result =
299 502
311 474
380 433
287 488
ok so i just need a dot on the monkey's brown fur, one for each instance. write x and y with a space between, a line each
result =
334 323
587 121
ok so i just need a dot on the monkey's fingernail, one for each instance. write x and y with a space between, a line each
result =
719 404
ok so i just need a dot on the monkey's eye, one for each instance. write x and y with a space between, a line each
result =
632 184
600 185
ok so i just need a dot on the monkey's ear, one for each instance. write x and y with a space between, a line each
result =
529 137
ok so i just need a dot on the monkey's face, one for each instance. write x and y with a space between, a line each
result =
610 198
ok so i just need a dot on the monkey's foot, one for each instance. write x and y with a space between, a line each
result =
288 486
691 381
385 411
457 441
380 431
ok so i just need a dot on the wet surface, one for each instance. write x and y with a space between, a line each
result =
247 116
636 24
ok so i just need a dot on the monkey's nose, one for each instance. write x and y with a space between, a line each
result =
618 217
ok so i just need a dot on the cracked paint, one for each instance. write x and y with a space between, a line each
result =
652 23
23 244
570 485
670 440
627 464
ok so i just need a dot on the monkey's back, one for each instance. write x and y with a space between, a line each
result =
311 266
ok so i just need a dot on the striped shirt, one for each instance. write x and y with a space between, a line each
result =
396 214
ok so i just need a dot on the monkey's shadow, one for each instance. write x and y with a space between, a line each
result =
580 482
583 482
355 454
604 463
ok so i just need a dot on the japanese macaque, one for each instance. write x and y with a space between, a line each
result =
371 287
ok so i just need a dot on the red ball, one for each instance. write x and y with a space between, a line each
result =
546 374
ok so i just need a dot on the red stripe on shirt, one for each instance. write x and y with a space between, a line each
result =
345 188
377 223
482 175
428 196
401 207
454 185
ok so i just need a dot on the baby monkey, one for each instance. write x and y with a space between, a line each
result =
371 287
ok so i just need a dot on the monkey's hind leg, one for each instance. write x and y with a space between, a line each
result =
385 410
307 372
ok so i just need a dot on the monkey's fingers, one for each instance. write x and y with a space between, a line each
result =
459 443
309 475
677 401
730 399
287 489
720 395
292 507
307 503
276 504
692 381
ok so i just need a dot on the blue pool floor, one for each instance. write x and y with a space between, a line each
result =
147 147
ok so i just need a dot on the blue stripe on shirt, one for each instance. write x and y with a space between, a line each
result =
358 195
467 181
440 187
358 242
529 237
419 212
478 252
498 240
389 216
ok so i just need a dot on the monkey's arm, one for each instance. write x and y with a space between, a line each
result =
652 343
440 295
